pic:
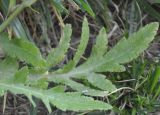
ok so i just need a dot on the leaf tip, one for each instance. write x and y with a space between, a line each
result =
155 25
85 20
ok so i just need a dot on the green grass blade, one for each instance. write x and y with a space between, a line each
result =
148 9
85 5
155 78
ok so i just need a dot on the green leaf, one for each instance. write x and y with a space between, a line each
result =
8 68
28 3
64 101
97 80
100 81
17 26
12 4
123 52
84 4
21 75
57 55
59 88
83 43
40 83
23 50
99 61
148 9
111 67
81 48
80 87
130 49
20 30
100 48
155 78
59 5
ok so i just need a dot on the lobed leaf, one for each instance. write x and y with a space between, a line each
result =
64 101
23 50
99 61
123 52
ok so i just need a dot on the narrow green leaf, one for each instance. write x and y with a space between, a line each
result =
148 9
59 88
57 55
157 93
83 43
111 67
100 48
80 87
59 5
28 3
17 26
99 81
12 4
20 30
156 78
84 4
81 48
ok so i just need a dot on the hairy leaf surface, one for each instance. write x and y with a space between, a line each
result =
84 80
82 88
8 68
57 55
22 49
123 52
81 48
64 101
